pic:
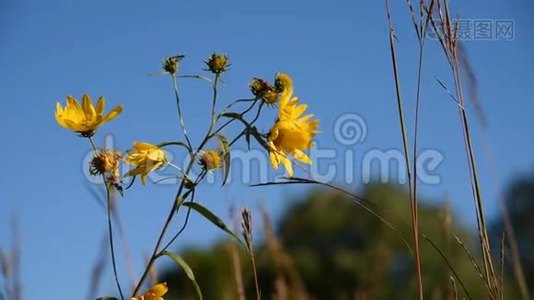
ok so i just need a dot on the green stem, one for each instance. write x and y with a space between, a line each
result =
177 198
241 115
214 102
110 226
413 203
180 115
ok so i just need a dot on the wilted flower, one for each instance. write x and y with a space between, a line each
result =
155 293
217 63
210 160
291 133
146 158
172 64
84 119
106 163
263 90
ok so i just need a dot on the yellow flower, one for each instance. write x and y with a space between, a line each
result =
106 163
155 293
85 118
210 160
146 158
291 133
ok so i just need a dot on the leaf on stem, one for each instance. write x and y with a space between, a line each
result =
206 213
187 269
225 149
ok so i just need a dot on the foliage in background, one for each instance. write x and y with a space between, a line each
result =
339 251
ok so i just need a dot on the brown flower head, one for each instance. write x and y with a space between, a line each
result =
210 160
217 63
172 64
263 90
106 163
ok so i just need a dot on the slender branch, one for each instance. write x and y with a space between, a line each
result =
178 198
111 243
241 115
413 203
199 178
180 115
110 225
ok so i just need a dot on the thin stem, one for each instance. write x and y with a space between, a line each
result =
111 243
199 178
248 126
214 101
110 225
413 203
477 195
180 115
233 119
256 284
95 149
234 103
177 199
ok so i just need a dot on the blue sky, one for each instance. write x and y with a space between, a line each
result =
338 55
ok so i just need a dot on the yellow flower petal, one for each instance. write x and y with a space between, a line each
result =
100 106
155 293
88 108
301 156
113 114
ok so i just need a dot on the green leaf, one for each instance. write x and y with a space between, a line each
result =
206 213
247 136
225 148
119 189
259 137
174 143
232 115
187 269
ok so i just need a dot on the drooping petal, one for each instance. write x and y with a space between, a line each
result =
301 156
113 114
274 159
287 164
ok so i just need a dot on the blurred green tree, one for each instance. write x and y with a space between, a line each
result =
519 202
329 247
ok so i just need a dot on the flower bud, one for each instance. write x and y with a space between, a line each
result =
217 63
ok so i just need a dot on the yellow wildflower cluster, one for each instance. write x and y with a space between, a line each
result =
288 139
